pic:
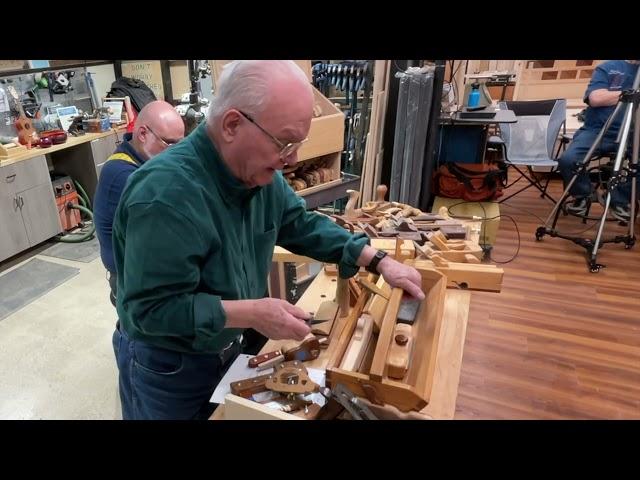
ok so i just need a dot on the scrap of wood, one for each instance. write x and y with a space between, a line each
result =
331 269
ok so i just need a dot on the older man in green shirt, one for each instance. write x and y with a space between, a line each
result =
193 238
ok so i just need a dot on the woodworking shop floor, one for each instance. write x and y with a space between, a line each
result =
56 355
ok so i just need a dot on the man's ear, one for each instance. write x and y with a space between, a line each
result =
230 124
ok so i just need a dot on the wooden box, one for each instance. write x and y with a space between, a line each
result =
327 130
330 162
372 381
326 134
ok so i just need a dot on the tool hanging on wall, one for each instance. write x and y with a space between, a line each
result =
352 77
193 105
63 81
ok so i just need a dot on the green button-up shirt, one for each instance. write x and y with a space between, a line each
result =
188 234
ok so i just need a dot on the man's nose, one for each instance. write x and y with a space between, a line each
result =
290 160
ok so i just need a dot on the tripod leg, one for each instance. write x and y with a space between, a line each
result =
584 163
633 164
613 182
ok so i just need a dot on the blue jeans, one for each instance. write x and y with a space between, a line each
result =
574 156
160 384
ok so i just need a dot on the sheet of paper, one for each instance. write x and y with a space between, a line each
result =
239 371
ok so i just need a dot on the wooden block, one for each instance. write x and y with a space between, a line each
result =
467 275
439 261
238 408
358 344
457 232
410 236
471 258
330 269
400 351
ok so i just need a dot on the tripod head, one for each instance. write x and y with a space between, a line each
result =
633 94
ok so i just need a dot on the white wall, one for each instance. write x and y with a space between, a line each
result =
104 76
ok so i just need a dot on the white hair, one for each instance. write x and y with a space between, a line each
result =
243 84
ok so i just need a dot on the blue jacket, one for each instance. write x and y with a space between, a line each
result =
113 178
613 75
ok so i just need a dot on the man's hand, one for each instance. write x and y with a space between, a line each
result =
403 276
279 320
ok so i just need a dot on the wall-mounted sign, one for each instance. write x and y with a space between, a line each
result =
148 71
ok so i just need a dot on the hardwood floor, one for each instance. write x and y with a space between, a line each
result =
558 342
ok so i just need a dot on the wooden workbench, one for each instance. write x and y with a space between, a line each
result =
25 154
442 405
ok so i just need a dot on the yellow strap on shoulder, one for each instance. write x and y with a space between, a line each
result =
122 156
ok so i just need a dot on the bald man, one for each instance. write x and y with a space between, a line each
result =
157 127
194 236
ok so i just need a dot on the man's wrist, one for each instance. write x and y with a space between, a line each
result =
374 265
383 263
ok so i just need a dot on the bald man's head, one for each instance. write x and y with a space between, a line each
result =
158 125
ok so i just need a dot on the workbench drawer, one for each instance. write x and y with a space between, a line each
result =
23 175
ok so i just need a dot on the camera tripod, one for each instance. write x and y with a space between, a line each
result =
629 101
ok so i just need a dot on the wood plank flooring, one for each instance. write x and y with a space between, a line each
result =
558 342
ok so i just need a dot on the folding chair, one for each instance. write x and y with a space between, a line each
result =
530 142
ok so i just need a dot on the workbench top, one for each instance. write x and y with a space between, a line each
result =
71 142
448 362
453 331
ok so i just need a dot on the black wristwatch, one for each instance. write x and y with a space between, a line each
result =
373 265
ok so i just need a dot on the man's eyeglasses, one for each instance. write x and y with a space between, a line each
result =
286 149
166 143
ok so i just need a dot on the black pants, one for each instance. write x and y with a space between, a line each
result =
252 341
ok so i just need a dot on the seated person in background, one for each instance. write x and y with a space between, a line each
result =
158 125
609 79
